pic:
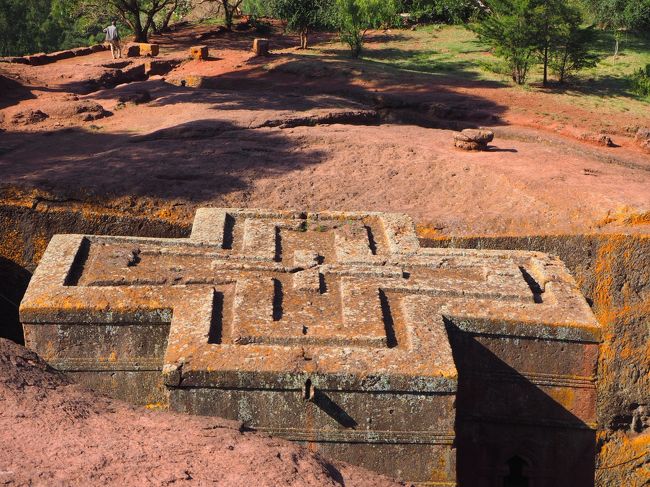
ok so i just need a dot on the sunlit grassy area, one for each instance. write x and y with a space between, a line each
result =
455 52
450 50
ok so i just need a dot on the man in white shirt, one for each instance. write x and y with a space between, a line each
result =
113 39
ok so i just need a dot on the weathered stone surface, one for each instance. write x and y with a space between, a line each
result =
598 138
473 139
132 50
29 117
189 80
261 47
147 49
43 58
142 49
137 97
199 52
642 137
336 329
614 275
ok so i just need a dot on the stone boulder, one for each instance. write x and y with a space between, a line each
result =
598 138
642 138
29 117
473 139
142 49
147 49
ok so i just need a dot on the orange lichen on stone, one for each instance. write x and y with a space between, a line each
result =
157 406
624 459
625 216
428 232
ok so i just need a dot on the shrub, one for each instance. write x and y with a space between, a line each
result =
641 81
571 52
355 17
510 30
444 11
301 15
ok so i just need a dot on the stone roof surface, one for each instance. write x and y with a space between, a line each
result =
261 298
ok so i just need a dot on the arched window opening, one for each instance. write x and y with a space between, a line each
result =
515 476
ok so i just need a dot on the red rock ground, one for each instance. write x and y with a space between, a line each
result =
54 432
246 139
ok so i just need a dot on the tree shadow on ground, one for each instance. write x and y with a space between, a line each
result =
197 161
303 83
12 92
607 86
449 70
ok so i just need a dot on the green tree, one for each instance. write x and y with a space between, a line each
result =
557 28
139 15
229 8
22 26
571 51
511 31
301 15
621 15
445 11
355 17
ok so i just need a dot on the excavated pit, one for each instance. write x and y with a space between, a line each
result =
612 271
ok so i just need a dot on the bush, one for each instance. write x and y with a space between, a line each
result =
641 81
570 52
355 17
302 15
257 8
442 11
510 30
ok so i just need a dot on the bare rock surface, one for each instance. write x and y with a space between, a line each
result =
29 117
55 432
643 138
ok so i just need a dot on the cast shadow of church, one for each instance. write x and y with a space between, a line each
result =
509 431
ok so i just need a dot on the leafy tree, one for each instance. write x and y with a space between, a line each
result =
257 8
176 9
355 17
557 26
571 52
301 15
510 30
21 26
620 15
525 32
229 9
445 11
139 15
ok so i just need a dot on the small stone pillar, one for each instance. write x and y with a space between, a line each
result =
132 50
261 47
147 49
199 52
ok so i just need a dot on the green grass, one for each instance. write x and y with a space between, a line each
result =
435 49
455 52
218 20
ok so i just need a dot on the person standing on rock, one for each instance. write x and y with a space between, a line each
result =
113 39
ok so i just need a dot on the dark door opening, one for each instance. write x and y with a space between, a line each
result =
516 477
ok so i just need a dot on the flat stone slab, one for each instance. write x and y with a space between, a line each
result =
330 328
